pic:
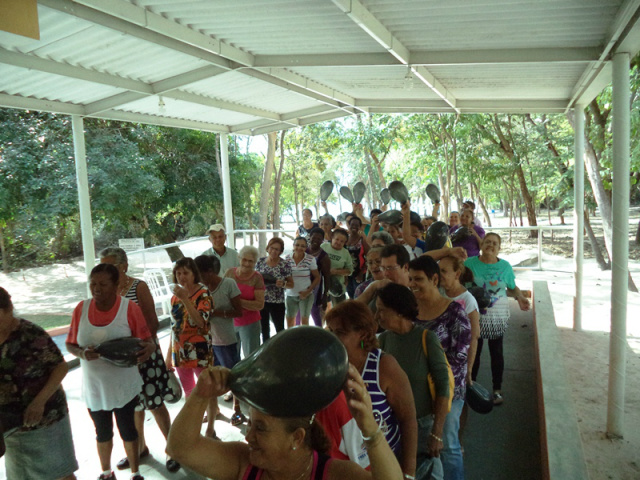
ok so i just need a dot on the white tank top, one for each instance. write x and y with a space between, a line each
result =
105 386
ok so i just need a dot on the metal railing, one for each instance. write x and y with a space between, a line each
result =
537 228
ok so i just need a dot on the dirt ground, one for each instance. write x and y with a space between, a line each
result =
56 289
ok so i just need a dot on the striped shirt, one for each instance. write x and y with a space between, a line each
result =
301 273
382 411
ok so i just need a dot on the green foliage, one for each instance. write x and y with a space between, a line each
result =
161 184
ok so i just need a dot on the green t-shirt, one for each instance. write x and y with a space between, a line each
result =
407 350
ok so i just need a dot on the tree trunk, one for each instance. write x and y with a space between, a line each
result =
444 197
595 247
637 236
5 257
278 185
174 253
374 201
378 164
267 178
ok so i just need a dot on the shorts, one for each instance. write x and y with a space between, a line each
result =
45 453
226 355
294 304
155 378
103 421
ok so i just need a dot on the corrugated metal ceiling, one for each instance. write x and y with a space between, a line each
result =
252 66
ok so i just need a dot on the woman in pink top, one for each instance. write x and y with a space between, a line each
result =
251 287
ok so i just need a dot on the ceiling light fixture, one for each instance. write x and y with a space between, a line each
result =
408 79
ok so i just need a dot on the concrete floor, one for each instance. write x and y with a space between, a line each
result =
501 445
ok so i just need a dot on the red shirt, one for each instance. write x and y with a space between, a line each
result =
97 318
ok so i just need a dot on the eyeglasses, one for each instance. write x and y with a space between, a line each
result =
390 269
374 262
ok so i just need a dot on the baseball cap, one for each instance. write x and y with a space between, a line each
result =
216 227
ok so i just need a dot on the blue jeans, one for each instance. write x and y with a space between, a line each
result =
424 463
451 454
248 338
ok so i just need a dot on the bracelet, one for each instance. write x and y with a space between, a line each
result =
436 437
372 437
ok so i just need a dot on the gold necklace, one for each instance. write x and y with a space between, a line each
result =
303 474
127 285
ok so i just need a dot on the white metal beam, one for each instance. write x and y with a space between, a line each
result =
433 58
92 15
137 89
140 23
84 202
63 69
578 214
376 30
157 23
625 19
28 103
163 121
226 190
621 96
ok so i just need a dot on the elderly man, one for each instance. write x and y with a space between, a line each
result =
228 256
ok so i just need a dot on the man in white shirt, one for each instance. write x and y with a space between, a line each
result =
228 256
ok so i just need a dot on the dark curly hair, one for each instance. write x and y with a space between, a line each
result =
399 299
107 268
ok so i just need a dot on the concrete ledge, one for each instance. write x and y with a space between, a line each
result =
560 442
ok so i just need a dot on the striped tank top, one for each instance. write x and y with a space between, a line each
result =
132 293
381 409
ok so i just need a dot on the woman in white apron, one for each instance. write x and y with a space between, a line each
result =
109 390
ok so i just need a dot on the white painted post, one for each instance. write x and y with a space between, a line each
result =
620 241
539 248
578 214
84 202
226 191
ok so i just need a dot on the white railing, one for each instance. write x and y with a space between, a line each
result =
537 228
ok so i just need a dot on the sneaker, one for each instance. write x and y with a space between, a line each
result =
238 418
111 476
172 465
497 397
228 397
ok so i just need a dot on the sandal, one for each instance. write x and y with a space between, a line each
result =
124 463
238 418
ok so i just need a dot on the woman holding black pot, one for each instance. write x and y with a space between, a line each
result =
109 390
278 448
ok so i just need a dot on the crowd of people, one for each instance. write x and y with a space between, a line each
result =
412 331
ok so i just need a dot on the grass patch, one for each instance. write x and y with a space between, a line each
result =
48 321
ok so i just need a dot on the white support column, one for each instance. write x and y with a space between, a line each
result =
84 202
620 240
226 190
578 213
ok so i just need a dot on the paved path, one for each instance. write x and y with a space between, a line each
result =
501 445
505 444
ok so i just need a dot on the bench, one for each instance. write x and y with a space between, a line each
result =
561 445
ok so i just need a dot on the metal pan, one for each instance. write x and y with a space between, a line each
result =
325 190
398 191
385 196
358 192
346 194
433 192
392 217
